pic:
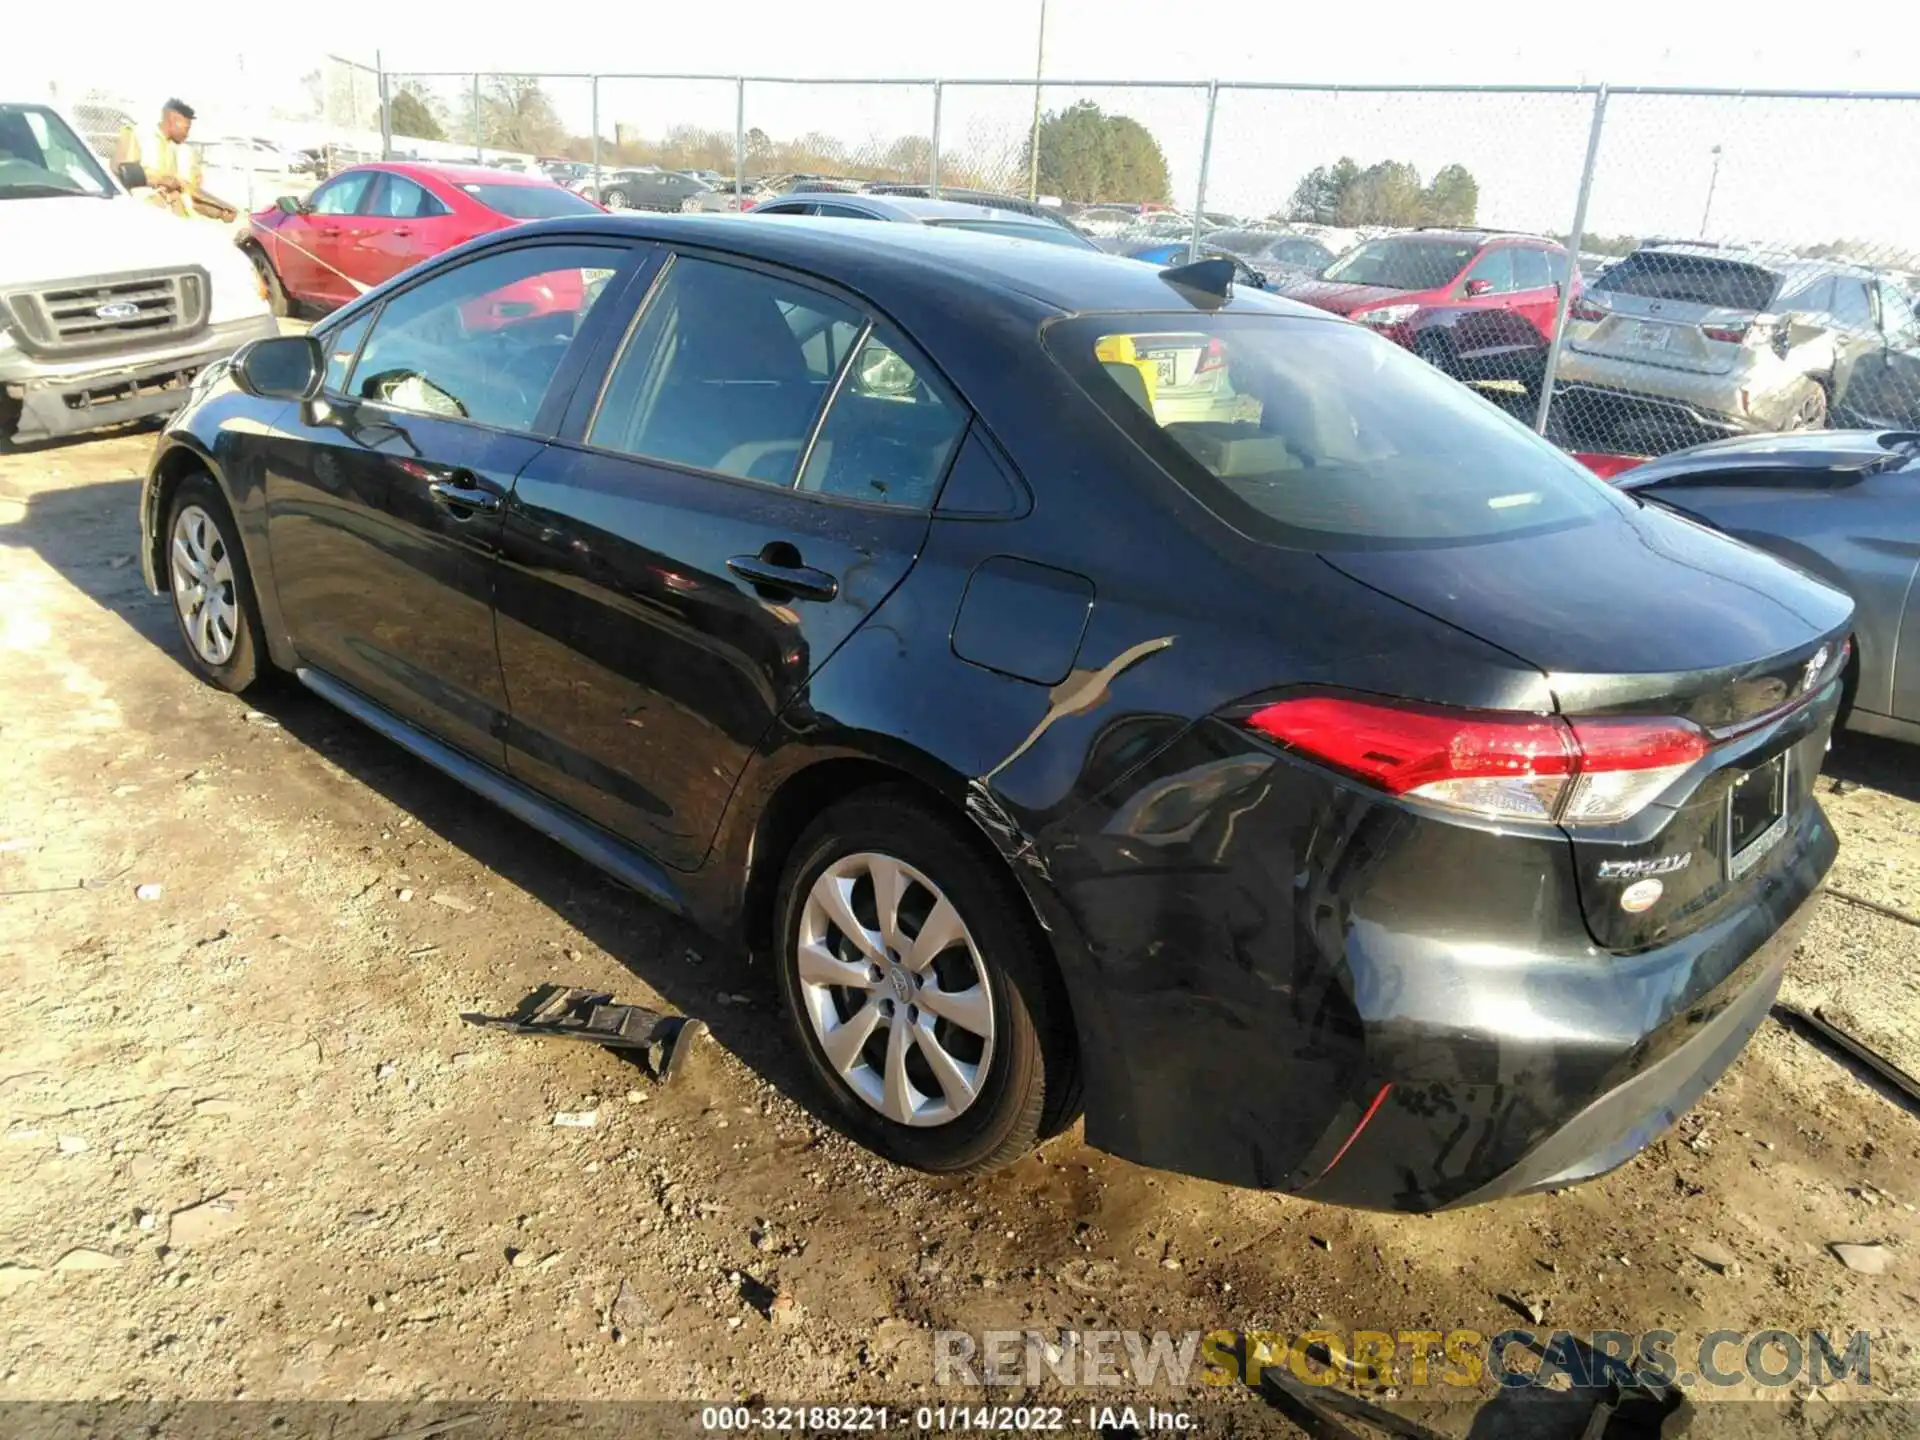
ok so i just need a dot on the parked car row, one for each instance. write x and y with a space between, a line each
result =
1684 341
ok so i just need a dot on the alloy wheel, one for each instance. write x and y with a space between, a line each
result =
894 987
203 585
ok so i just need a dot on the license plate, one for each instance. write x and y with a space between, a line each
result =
1652 337
1756 815
1167 368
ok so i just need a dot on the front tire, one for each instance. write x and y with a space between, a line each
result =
212 590
277 299
615 199
922 1004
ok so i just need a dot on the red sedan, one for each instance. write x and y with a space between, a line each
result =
368 223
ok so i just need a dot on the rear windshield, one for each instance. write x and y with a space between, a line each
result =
530 202
1318 435
1695 279
1403 264
1043 231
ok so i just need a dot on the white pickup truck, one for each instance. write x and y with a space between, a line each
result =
108 306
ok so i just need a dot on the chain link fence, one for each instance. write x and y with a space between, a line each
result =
1629 269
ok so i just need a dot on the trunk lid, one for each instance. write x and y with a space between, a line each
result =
1649 614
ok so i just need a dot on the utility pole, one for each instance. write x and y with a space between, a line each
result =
1712 180
1033 141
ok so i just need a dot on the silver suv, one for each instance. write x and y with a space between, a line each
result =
1686 341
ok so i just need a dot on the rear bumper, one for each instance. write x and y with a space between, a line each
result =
1711 403
74 396
1309 989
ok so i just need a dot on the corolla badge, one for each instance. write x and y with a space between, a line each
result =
1641 869
117 310
1815 667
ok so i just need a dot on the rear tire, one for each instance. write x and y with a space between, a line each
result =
943 1057
615 199
206 573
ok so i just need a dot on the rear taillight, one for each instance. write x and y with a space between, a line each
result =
1585 310
1726 334
1498 764
1213 358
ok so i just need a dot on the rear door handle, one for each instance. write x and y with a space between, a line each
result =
800 581
403 230
456 497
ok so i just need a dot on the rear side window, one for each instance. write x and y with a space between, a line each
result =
1316 435
1695 279
727 371
890 431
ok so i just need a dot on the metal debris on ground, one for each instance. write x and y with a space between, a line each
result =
570 1012
1838 1041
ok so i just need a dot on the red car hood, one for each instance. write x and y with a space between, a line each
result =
1337 296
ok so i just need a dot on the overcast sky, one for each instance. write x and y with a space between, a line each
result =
1859 160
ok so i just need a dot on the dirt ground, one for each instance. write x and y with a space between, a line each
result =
251 1151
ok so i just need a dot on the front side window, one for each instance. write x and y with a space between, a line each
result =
1493 271
484 340
890 431
726 370
342 195
1316 435
341 346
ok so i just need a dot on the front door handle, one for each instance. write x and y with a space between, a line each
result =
801 581
457 497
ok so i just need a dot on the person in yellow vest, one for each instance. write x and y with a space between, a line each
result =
172 165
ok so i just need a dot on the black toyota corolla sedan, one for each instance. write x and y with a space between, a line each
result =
1089 686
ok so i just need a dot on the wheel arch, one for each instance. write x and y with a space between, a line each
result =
184 455
791 801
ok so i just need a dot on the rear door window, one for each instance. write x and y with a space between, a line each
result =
726 370
342 196
1494 270
1530 268
1851 308
398 198
1317 435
